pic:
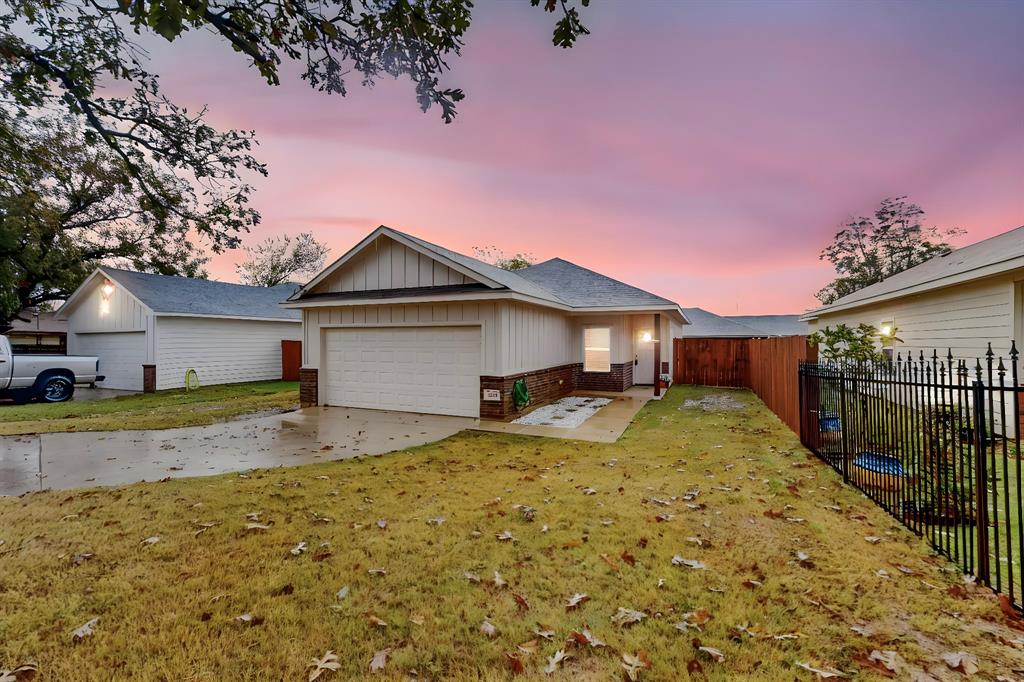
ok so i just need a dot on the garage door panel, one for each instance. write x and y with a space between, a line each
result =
121 356
418 369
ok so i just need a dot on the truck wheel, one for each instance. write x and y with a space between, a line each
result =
56 389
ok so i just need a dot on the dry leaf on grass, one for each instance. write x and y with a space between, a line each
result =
488 629
544 631
377 571
248 620
515 662
321 665
505 536
554 661
342 593
822 673
435 521
257 526
22 673
298 549
575 600
521 602
626 617
688 563
633 664
85 630
498 581
694 620
585 637
713 653
375 621
961 661
379 660
151 540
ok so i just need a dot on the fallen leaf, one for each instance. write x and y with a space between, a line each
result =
694 620
499 581
544 631
151 540
554 661
585 637
633 664
382 524
248 620
872 539
257 526
342 594
824 674
505 536
804 560
488 629
379 660
321 665
575 600
22 673
377 571
435 521
689 563
375 621
529 647
298 549
626 617
713 653
628 558
471 577
85 630
515 663
521 602
961 661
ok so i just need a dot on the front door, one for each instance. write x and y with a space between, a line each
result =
643 363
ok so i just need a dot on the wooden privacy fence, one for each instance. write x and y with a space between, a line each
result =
768 367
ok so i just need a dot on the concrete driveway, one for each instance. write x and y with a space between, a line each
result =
317 434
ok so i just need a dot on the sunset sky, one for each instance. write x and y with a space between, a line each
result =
703 151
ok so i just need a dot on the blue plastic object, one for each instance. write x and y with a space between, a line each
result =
879 463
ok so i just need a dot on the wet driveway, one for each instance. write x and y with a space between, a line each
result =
317 434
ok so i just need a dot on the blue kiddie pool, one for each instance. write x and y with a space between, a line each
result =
829 422
876 470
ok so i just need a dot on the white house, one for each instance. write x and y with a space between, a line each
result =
958 302
399 323
149 330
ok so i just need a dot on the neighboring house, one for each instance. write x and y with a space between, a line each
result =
148 330
774 325
399 323
40 332
960 301
707 325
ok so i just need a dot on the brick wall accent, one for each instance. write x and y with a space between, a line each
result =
619 379
308 388
149 378
543 385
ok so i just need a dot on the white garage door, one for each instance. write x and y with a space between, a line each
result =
434 370
121 355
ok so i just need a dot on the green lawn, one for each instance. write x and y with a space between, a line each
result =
160 410
780 566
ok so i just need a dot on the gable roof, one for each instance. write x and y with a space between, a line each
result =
583 288
184 296
773 325
991 256
556 282
45 322
705 324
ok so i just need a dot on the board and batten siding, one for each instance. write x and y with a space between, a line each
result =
534 338
222 351
122 313
386 264
963 318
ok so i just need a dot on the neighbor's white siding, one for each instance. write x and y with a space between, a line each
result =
386 264
962 318
121 313
484 313
222 351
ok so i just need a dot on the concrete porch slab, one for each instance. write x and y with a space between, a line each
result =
605 426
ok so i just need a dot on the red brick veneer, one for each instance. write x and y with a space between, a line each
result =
543 385
308 391
619 379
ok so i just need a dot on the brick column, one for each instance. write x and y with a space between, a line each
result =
149 378
308 386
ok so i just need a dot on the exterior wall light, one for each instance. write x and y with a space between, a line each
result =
886 330
646 337
107 290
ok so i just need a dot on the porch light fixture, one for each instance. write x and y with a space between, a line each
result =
107 290
646 337
886 330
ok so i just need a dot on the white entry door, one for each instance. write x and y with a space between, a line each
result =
121 355
643 364
433 370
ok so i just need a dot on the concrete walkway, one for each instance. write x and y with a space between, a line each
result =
318 434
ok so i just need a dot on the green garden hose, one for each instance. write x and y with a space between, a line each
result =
191 380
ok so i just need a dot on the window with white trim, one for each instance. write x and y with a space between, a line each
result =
597 349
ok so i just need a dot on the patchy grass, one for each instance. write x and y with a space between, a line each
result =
160 410
167 610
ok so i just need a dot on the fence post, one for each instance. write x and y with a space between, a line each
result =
843 425
980 480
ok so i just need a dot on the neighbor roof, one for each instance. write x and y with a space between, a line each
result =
41 323
705 324
557 281
168 295
773 325
991 256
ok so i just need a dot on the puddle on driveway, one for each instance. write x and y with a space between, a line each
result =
319 434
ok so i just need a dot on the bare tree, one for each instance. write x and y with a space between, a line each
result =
277 260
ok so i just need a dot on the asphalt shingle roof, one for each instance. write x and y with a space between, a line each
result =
704 323
992 251
185 295
582 288
773 325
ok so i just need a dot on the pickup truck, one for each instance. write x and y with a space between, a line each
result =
49 378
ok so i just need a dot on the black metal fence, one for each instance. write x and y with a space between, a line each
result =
936 442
